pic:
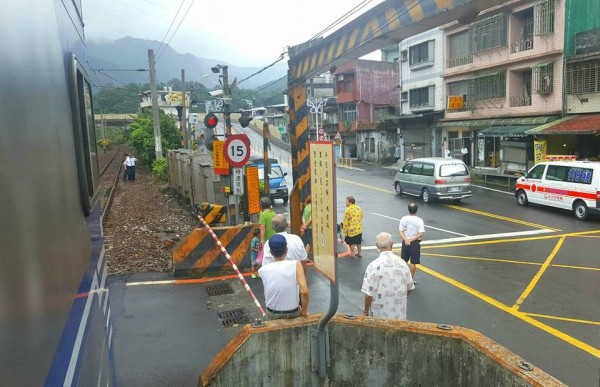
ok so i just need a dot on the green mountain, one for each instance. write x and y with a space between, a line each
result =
129 53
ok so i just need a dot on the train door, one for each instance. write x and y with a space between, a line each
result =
84 131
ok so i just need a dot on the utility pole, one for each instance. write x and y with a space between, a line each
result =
155 119
183 125
226 94
267 163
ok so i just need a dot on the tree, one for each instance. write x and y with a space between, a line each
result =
142 135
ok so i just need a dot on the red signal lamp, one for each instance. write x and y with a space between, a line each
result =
211 120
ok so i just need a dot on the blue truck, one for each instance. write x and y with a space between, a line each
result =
278 188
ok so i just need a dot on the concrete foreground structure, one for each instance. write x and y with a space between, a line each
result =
367 351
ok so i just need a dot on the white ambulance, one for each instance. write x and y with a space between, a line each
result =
572 185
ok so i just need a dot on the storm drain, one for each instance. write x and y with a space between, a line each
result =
231 317
219 289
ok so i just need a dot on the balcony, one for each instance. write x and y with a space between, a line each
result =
523 45
518 101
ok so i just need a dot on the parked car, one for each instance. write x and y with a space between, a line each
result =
571 185
278 188
434 178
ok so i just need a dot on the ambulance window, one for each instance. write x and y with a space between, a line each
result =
537 172
557 173
580 175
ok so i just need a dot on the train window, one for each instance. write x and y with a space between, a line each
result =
85 137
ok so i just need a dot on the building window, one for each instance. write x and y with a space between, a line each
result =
348 113
403 55
421 53
404 96
583 77
460 88
487 87
379 114
348 87
522 96
543 78
522 39
421 98
488 33
544 17
458 50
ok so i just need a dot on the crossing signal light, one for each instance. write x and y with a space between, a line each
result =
245 120
211 120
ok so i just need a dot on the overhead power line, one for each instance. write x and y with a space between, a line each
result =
170 26
176 29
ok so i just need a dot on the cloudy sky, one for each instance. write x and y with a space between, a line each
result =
240 32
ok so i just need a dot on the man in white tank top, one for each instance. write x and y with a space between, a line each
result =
282 280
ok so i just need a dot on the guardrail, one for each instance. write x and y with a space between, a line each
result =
494 179
344 162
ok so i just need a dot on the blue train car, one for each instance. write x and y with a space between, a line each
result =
54 312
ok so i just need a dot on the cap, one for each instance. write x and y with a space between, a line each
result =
277 244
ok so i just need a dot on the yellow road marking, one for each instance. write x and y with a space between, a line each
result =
505 261
365 186
539 274
520 315
563 319
476 212
488 214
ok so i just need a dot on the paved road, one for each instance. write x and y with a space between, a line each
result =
526 277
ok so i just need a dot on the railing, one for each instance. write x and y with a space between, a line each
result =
523 45
463 60
520 101
344 162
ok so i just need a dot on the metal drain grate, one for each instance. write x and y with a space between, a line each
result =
219 289
236 316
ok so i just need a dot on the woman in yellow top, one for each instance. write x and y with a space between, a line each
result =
353 226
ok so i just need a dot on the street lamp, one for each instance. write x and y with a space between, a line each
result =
316 109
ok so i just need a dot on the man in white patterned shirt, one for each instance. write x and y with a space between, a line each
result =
387 282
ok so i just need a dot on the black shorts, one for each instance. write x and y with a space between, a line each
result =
412 252
308 240
354 240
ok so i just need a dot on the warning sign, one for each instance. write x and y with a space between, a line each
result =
253 191
220 164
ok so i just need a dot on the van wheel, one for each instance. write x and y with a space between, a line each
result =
285 199
580 210
425 196
398 188
522 198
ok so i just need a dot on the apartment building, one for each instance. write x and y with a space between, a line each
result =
366 93
421 65
503 76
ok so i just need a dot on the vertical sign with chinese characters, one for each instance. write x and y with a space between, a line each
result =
253 190
220 164
237 181
323 195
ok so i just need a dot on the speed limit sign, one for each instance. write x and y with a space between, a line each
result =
237 150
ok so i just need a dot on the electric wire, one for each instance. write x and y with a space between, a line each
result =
176 29
170 26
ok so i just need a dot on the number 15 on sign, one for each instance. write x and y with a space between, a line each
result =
237 150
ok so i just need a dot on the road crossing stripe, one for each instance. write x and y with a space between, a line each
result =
520 315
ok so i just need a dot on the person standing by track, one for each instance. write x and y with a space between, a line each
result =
129 164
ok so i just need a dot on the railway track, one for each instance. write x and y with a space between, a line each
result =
109 181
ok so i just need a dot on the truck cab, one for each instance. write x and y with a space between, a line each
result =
278 188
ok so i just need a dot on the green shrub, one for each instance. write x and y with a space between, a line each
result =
261 188
104 143
159 168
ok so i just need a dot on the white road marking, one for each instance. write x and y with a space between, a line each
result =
474 238
431 227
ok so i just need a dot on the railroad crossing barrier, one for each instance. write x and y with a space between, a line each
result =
198 252
368 351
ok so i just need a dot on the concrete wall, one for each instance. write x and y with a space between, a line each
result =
368 352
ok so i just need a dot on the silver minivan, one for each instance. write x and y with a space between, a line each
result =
434 178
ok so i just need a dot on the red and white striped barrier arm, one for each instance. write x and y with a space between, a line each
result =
237 271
